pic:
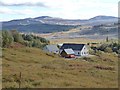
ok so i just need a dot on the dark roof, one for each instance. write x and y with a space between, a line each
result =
73 46
69 51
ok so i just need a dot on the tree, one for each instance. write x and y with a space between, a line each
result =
17 37
7 38
28 37
27 40
107 39
36 43
102 47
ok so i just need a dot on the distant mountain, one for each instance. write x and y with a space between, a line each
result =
46 24
101 17
43 17
102 20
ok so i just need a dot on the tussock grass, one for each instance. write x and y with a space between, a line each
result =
44 70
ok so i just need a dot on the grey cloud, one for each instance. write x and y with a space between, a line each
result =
24 4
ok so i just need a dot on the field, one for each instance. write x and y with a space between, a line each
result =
45 70
65 37
75 40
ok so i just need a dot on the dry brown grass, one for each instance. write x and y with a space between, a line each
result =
74 40
41 70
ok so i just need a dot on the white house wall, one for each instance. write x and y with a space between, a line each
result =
84 51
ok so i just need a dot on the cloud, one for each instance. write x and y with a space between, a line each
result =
69 9
23 4
5 11
17 12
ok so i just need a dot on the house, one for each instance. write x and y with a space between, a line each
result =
51 49
59 45
79 49
68 53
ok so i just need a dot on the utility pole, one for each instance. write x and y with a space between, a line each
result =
107 37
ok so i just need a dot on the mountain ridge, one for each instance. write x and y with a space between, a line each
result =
59 21
43 17
47 24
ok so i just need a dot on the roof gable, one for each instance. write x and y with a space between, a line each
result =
73 46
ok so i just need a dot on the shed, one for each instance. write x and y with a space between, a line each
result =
68 53
51 49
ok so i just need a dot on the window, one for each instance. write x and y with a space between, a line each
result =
78 53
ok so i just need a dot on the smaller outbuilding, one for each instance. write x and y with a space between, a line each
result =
68 53
51 49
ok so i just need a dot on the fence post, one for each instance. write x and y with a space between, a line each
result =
20 80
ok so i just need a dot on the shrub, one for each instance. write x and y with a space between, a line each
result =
91 51
17 37
88 59
103 47
7 38
27 37
108 49
98 53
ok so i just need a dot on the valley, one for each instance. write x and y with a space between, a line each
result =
22 53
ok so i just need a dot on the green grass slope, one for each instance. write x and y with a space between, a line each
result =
45 70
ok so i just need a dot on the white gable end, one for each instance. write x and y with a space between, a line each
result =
84 51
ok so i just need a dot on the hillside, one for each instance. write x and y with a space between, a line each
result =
97 32
40 69
38 28
46 24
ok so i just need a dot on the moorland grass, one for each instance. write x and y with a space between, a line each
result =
44 70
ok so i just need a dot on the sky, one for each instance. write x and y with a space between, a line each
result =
66 9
